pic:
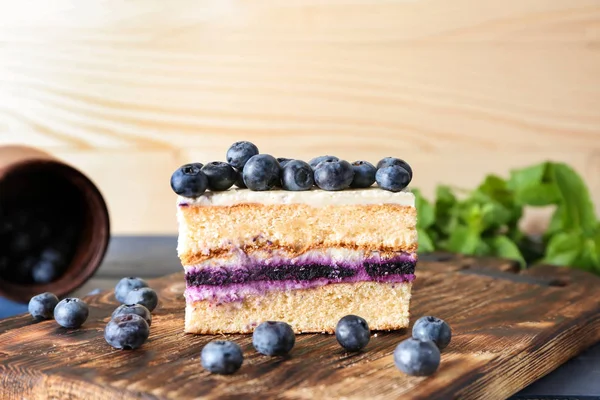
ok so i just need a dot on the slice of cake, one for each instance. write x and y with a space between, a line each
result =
305 257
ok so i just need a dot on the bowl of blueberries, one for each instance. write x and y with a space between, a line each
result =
54 225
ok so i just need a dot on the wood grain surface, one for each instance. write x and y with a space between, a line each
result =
128 91
509 329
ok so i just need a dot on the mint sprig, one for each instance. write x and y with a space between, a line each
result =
485 221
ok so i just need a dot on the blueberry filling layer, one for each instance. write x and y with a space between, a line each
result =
218 276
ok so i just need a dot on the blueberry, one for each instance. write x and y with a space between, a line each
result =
283 161
144 296
273 338
136 309
364 174
21 242
44 271
389 161
296 176
239 179
261 172
240 152
221 176
53 255
417 357
189 180
334 175
71 313
126 332
392 178
352 333
126 285
22 272
317 160
221 357
434 329
42 306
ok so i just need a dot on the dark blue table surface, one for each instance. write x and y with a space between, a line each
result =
155 256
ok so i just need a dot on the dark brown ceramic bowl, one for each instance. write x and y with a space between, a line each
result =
24 176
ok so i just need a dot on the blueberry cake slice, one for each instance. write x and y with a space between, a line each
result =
306 257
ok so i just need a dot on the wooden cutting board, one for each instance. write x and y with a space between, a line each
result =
509 329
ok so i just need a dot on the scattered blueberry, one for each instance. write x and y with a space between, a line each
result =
42 306
434 329
389 161
189 180
392 178
352 333
416 357
126 285
126 332
283 161
364 174
221 176
273 338
144 296
240 152
261 172
221 357
334 175
136 309
317 160
297 176
239 179
71 313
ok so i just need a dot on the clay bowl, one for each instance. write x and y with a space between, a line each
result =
36 186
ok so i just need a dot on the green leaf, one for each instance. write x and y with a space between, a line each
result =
483 249
502 246
446 217
542 194
579 210
463 240
425 211
425 242
526 177
588 258
563 249
556 222
496 189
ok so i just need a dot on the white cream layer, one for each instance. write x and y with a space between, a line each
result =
314 197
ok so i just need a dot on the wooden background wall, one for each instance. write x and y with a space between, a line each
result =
129 90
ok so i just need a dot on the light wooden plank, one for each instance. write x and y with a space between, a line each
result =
459 88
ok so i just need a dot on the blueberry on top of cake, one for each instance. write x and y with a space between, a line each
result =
306 243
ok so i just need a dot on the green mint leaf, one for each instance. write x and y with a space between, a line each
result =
542 194
425 242
446 217
425 211
588 258
526 177
563 249
503 247
483 249
497 190
556 222
534 186
463 240
579 210
495 215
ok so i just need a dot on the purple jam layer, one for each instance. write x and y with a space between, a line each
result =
371 268
238 291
